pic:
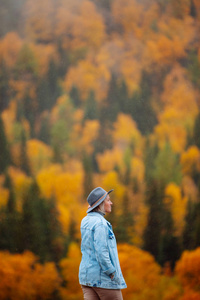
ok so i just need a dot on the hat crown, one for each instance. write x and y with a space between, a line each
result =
95 195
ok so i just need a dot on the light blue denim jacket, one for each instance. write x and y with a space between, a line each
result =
99 254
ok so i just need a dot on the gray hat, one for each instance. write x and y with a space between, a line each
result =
96 197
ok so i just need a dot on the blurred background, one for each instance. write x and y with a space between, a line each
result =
100 93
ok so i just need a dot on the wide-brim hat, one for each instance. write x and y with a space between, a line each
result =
96 197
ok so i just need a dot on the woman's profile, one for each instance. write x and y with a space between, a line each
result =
100 274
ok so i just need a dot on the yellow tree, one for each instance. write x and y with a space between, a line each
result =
39 155
176 120
65 184
69 269
86 76
177 205
188 272
80 25
141 272
39 20
190 160
22 277
10 47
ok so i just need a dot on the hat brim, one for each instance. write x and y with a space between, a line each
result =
99 202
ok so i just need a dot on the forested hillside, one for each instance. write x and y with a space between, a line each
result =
100 93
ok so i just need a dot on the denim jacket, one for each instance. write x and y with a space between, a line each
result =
99 254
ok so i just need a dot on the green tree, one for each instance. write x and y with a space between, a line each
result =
124 225
192 226
168 161
169 244
44 133
112 107
91 109
40 226
193 67
9 221
197 131
141 108
5 158
88 174
4 86
75 96
24 163
26 64
152 233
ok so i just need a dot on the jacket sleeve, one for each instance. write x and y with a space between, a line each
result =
102 250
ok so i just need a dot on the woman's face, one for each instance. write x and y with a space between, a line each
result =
107 204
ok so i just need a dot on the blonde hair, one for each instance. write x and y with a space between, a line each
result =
100 208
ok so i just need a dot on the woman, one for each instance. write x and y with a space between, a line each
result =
99 274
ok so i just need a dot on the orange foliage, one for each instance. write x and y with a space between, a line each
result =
87 76
141 273
134 17
9 117
190 160
23 278
4 193
79 24
39 22
188 270
190 189
190 295
10 47
69 269
43 54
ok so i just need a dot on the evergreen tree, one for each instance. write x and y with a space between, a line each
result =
193 12
142 111
5 158
43 94
104 138
44 133
53 87
197 131
30 111
64 59
48 89
124 223
192 226
125 103
75 96
33 235
168 161
152 233
88 174
91 110
40 226
193 67
4 86
112 107
169 246
53 236
151 152
10 221
24 163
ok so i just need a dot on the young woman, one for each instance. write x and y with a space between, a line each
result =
99 274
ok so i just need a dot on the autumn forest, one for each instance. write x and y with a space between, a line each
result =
100 93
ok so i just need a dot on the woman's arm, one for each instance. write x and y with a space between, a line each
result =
102 250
